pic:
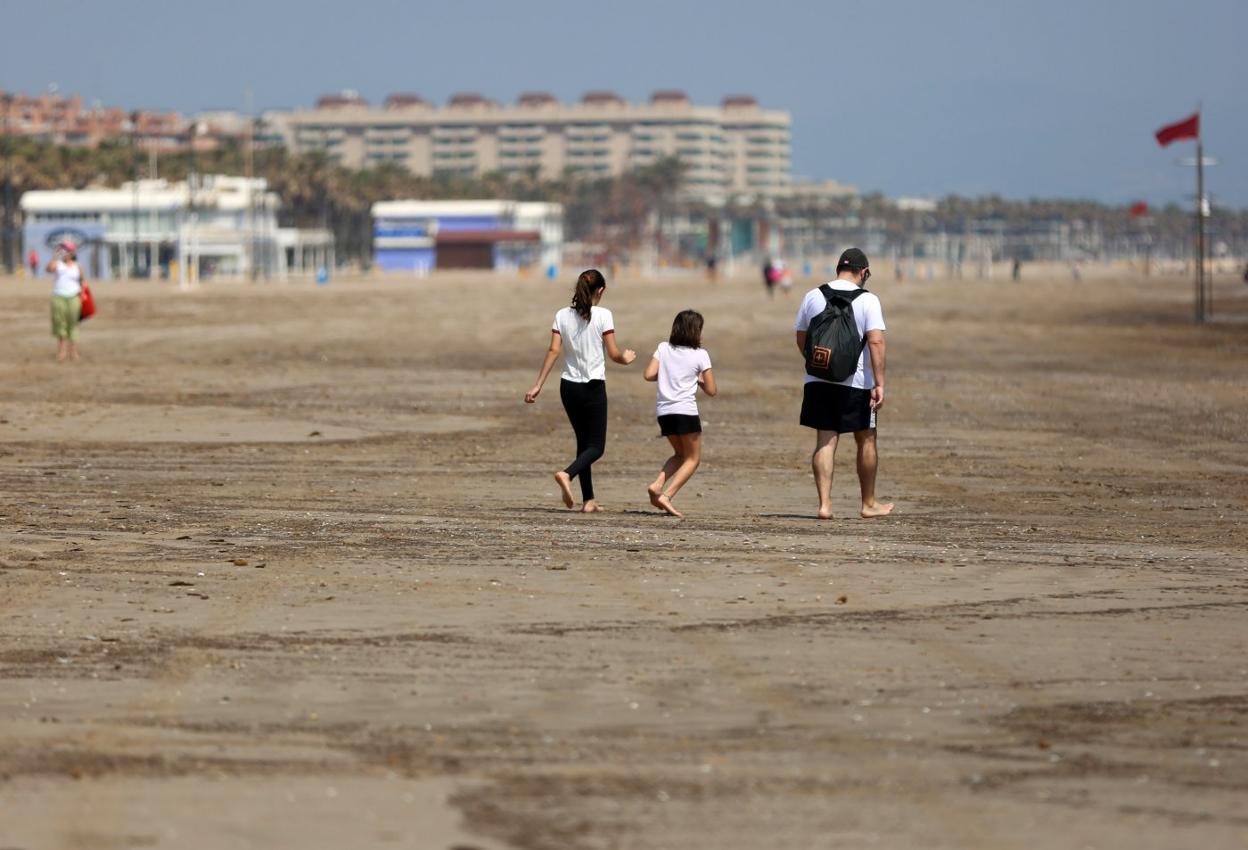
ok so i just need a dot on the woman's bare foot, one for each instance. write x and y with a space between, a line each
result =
876 509
662 501
824 513
655 491
590 507
565 488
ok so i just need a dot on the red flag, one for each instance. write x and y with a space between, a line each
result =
1138 209
1188 128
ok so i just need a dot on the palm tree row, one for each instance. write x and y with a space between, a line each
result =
317 192
624 211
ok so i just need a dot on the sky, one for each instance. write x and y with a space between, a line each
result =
1046 98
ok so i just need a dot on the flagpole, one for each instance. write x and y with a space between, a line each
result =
1204 305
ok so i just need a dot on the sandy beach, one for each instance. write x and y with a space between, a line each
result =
284 566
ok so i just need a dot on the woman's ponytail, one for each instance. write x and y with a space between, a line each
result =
588 283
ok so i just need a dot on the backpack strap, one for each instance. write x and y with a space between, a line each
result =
829 293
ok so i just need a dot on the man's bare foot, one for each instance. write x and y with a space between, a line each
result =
565 488
825 512
876 509
590 507
655 492
662 501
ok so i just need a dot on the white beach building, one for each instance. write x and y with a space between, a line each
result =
419 236
213 226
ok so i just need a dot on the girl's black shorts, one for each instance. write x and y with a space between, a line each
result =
679 423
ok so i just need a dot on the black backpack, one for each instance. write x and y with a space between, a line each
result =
833 344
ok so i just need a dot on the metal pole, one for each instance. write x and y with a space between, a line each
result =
134 158
6 226
193 217
252 251
1202 307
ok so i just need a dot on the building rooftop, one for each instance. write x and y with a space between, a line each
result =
399 100
436 209
219 191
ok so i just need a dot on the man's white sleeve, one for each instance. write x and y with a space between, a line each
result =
875 315
802 322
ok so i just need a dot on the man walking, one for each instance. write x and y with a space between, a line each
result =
851 405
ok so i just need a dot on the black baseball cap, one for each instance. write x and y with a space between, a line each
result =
852 259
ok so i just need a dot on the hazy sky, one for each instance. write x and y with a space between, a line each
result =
910 97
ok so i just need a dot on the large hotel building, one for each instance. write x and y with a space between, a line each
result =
732 149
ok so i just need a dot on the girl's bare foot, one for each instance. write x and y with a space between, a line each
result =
824 513
665 503
655 491
590 507
565 488
876 509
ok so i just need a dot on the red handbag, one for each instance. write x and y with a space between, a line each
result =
88 304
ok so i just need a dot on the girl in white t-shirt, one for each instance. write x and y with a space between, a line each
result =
679 366
585 334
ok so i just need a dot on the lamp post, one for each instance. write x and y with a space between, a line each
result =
134 160
6 226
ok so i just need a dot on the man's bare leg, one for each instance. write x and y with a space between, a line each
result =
867 465
669 467
821 464
565 488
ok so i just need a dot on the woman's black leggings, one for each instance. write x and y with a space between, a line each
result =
586 406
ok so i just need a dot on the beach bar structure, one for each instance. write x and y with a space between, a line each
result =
211 226
420 236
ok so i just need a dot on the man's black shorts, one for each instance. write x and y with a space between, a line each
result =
836 407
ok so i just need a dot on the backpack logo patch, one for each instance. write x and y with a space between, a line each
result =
820 357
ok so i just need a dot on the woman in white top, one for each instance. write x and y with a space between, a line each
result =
583 332
680 366
67 280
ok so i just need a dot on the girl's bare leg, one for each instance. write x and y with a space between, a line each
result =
691 458
565 488
673 463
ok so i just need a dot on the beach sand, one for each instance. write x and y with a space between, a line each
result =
284 566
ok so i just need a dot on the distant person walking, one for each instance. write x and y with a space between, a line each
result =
850 400
783 275
32 259
585 334
679 366
769 277
67 284
712 267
